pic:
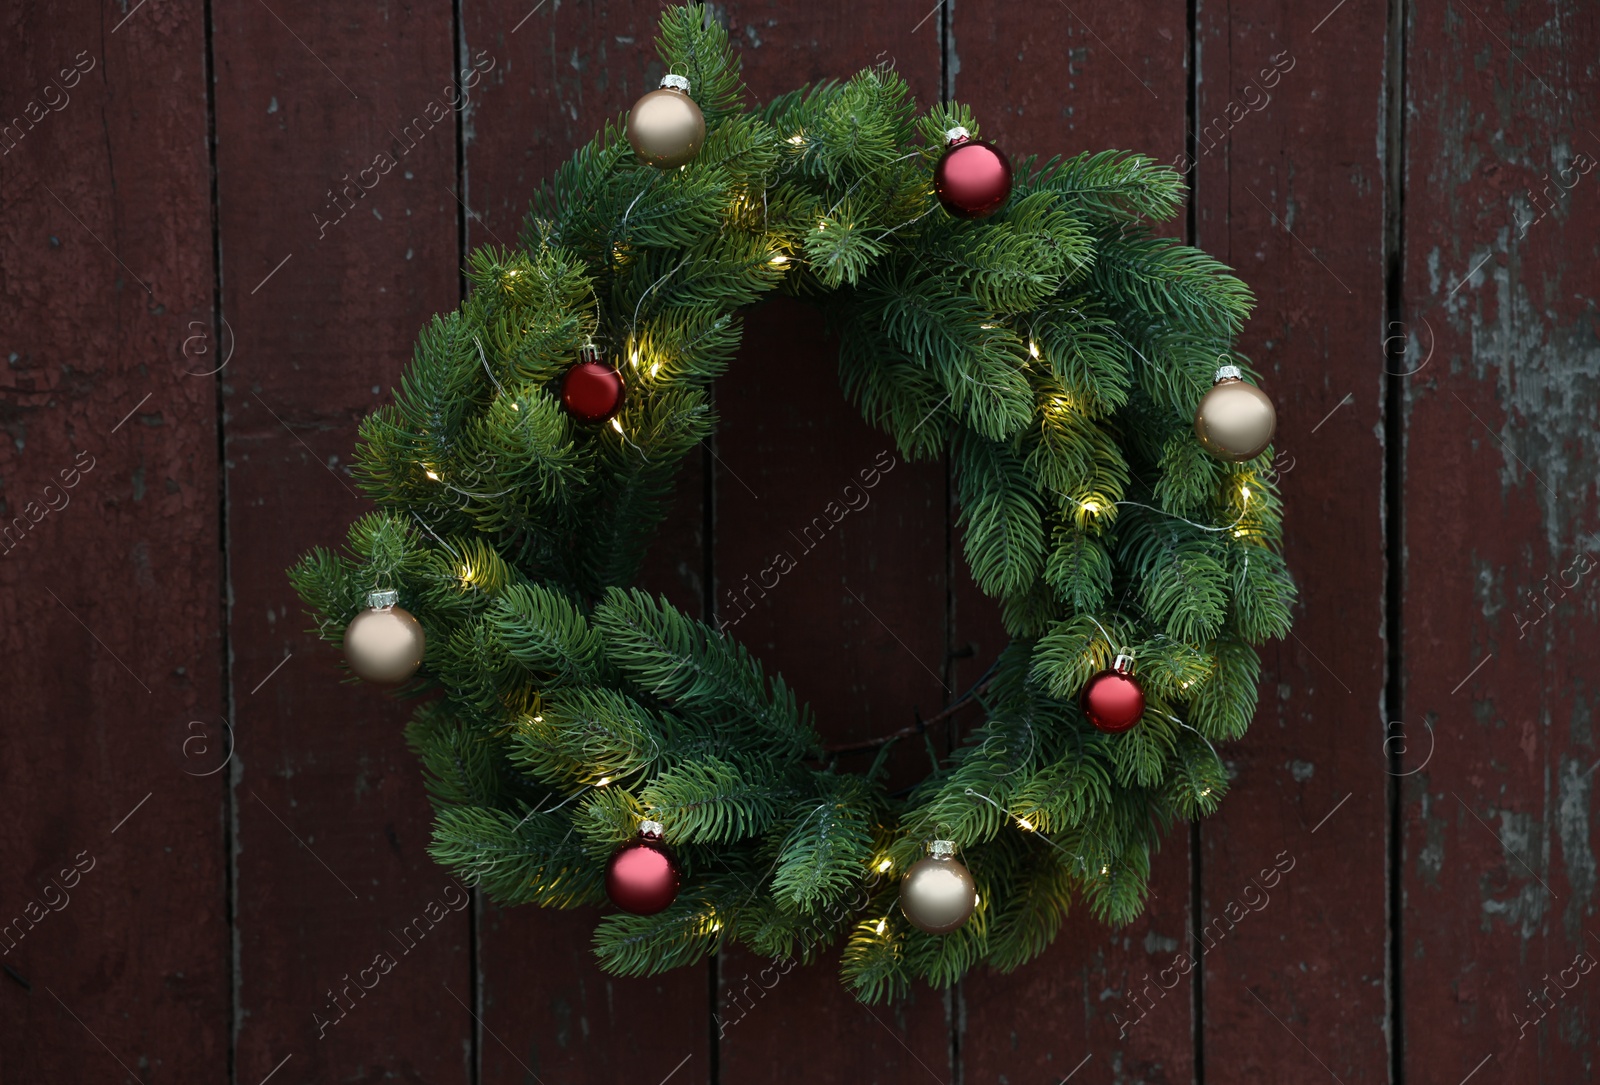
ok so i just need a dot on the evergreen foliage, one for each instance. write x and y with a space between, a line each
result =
1054 353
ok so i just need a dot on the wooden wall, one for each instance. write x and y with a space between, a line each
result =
206 833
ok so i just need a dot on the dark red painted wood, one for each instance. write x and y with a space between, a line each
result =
1501 620
332 821
1295 988
1048 79
329 819
559 74
113 927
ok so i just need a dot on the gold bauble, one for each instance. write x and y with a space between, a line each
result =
1235 420
938 894
665 127
384 643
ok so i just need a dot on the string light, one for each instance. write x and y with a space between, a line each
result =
1090 506
1105 869
797 139
883 925
604 780
1244 492
616 424
1206 792
655 367
636 359
431 473
884 866
779 260
514 407
1026 824
1033 348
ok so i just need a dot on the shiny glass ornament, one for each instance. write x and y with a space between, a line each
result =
1112 699
938 894
1235 420
592 391
973 178
665 126
642 876
384 643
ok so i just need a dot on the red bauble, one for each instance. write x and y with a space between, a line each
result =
973 179
592 391
642 876
1112 700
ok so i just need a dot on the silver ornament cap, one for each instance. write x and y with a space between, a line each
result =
938 894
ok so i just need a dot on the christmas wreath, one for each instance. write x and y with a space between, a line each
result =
585 741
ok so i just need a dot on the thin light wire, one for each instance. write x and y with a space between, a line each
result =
633 327
971 793
436 538
485 359
1175 516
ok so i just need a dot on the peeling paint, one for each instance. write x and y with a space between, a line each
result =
1572 819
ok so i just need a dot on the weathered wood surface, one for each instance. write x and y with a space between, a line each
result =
1291 925
330 816
1498 818
222 917
113 894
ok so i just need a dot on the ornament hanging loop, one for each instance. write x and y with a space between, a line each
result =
1123 664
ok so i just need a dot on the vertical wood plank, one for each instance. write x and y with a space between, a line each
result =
857 627
330 264
109 556
559 75
1047 79
1502 221
1295 988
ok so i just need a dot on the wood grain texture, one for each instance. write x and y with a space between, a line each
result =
1501 465
560 74
1044 80
155 596
1290 192
331 818
110 562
